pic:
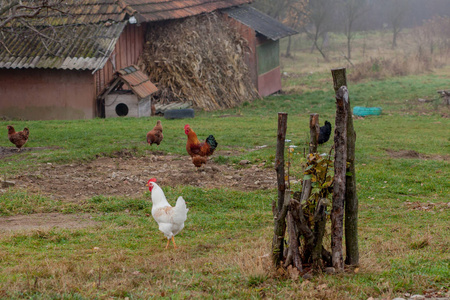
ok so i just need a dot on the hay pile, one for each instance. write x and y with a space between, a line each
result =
198 59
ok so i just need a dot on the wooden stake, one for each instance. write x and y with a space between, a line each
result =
280 211
340 162
351 198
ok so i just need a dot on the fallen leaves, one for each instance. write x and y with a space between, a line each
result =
427 206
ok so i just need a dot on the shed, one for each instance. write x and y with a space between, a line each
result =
50 79
129 94
263 34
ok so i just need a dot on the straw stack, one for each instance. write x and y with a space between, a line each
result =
198 59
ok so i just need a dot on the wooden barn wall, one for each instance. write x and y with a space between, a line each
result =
46 94
267 81
269 71
126 52
250 58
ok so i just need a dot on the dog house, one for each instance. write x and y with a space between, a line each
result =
129 94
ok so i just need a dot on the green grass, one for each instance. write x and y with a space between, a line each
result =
228 233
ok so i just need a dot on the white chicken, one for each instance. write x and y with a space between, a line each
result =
170 219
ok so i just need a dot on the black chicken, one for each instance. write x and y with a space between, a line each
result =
325 132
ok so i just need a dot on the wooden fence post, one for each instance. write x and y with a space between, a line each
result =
340 162
314 129
280 211
351 198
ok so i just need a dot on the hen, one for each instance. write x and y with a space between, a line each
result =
199 151
170 219
155 135
325 132
18 138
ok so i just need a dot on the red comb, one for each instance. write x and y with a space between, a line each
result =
186 126
152 180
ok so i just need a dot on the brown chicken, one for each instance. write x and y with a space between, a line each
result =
199 151
155 135
18 138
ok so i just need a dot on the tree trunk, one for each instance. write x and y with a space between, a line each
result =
340 161
281 210
349 47
351 197
395 33
288 48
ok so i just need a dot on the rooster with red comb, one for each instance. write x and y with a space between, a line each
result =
199 151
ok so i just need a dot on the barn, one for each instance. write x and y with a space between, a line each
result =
64 78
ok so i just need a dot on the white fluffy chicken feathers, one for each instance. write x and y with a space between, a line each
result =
170 219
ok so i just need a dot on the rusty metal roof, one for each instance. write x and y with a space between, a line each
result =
75 47
139 83
260 22
95 11
157 10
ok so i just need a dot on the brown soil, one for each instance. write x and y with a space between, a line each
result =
45 221
126 175
416 155
123 175
8 151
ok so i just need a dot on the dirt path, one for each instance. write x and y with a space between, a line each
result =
45 221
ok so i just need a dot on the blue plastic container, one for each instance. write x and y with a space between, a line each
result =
366 111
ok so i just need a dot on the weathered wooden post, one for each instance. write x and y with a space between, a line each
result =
351 198
314 129
340 162
280 210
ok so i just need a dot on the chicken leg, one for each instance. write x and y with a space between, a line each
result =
168 242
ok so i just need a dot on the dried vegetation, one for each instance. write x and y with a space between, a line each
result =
198 59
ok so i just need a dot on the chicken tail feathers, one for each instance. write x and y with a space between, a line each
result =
211 141
180 211
325 132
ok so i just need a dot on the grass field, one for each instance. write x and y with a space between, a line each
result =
403 171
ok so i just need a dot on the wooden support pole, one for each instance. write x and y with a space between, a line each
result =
314 129
280 211
351 198
340 162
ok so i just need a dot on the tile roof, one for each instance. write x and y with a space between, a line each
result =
139 83
75 47
260 22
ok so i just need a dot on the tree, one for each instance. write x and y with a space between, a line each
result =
292 13
295 17
30 18
320 17
396 16
351 10
17 13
